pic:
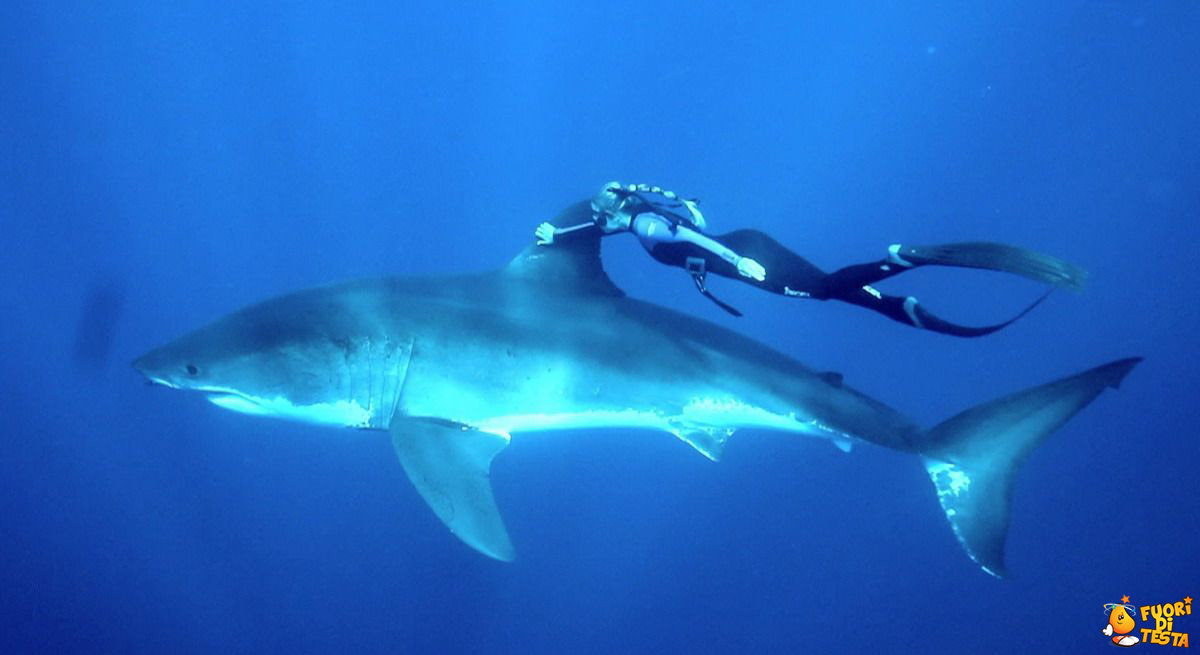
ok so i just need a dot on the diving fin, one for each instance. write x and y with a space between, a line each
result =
919 317
994 257
449 464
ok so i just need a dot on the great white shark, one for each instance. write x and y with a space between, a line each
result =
452 367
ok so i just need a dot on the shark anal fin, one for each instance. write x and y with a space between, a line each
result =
449 464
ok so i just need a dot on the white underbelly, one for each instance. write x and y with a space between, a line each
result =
698 415
337 413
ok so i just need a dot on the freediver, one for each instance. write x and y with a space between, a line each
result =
672 230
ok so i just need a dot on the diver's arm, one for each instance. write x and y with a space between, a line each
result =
745 266
547 233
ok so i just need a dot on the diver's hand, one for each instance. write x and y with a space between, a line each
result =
544 234
1108 630
749 268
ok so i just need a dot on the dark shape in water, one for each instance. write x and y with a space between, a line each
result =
98 318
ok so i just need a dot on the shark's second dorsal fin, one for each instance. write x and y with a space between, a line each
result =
571 264
832 378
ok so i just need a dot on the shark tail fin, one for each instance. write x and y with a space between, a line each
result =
972 458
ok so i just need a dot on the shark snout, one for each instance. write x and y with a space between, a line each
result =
145 366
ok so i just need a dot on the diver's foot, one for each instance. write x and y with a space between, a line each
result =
895 258
910 308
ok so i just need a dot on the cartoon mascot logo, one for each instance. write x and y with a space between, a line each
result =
1120 623
1164 632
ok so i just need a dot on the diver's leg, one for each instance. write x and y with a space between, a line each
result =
908 310
853 283
980 254
792 275
848 279
788 274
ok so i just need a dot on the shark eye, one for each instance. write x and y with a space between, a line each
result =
191 369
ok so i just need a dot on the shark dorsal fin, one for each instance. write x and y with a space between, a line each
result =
569 265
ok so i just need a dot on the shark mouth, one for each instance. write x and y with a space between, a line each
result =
345 413
236 401
224 397
151 380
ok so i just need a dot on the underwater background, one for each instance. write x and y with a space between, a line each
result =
164 163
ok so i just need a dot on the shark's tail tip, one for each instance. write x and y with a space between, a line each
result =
972 458
1118 369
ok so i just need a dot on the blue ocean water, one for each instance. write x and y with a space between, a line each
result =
164 163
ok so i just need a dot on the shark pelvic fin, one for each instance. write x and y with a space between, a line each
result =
449 464
709 442
973 457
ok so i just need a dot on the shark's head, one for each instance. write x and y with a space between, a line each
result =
281 358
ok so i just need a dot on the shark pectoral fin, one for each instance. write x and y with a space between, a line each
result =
449 465
843 444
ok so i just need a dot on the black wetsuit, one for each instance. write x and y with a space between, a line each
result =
790 274
787 273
